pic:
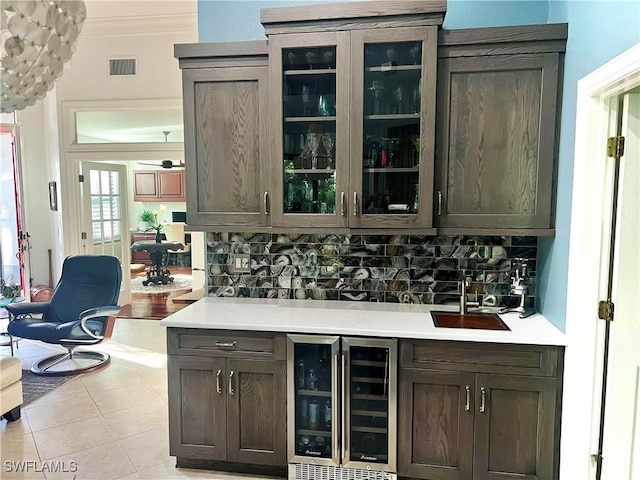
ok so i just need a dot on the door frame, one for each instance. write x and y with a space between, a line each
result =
590 222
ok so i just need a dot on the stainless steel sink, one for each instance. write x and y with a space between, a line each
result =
476 320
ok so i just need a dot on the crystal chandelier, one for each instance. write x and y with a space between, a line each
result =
38 37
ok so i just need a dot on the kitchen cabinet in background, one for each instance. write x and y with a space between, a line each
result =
158 186
497 129
227 399
478 410
225 91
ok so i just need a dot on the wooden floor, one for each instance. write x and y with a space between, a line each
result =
155 306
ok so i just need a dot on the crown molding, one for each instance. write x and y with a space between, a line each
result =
140 25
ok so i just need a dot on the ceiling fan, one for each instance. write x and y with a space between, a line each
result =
165 164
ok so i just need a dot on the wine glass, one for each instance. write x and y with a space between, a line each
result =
398 99
323 106
414 54
328 58
329 141
377 87
415 141
310 58
305 95
313 142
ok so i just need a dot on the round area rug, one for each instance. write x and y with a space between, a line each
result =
180 282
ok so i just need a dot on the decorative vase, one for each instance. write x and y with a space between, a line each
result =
158 237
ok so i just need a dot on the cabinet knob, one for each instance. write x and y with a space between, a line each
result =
483 397
355 204
266 203
439 203
342 204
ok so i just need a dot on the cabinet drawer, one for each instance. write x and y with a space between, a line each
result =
225 343
535 360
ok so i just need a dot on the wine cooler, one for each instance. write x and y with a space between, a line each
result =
341 401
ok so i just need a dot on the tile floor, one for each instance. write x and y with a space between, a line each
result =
108 424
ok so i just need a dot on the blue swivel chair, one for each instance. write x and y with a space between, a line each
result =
81 312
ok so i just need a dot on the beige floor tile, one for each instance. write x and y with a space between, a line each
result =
69 390
19 427
73 437
133 476
124 398
147 449
104 462
107 380
168 470
132 421
19 457
67 411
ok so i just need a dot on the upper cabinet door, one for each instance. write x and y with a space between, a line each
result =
309 107
225 146
496 141
171 185
392 127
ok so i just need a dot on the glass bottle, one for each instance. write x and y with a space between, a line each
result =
312 380
313 414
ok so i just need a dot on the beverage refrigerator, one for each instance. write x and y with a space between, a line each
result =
341 408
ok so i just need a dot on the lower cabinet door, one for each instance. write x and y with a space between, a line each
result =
514 427
256 412
435 424
197 408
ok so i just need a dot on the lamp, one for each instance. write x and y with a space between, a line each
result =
38 37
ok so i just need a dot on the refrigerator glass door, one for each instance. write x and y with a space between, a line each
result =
313 399
369 418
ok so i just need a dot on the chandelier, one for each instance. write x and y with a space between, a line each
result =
38 37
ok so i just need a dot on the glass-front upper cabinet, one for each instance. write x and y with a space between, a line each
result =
354 118
392 127
310 81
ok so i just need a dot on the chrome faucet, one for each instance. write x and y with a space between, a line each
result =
464 304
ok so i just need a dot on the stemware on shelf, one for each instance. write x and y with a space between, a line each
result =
313 142
377 88
329 142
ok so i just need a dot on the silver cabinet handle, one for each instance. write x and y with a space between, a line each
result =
335 412
342 205
355 204
483 395
266 203
467 404
226 344
439 203
218 386
231 390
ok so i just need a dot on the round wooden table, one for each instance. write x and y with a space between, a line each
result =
158 272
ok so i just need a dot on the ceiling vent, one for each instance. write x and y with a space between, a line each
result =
122 66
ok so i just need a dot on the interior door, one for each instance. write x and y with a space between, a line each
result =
621 443
14 241
105 220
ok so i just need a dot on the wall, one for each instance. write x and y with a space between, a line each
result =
384 268
598 31
146 30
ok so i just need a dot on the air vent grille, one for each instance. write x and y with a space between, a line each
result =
122 66
324 472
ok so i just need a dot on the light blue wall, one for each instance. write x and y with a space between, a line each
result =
598 31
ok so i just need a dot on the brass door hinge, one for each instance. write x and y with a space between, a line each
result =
615 147
605 310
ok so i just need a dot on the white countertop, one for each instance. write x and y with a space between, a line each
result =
353 318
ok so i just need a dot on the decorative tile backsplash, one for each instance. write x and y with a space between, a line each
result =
384 268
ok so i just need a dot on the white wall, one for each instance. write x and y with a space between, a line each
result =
142 29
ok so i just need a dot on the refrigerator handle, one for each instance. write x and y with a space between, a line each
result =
336 409
343 439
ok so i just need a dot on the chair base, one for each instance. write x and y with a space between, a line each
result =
42 367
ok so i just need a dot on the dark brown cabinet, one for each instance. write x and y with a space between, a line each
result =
225 91
497 128
478 411
227 400
158 186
